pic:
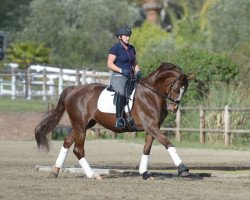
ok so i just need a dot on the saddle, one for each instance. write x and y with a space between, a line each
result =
107 102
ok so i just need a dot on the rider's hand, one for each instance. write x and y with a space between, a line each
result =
126 73
138 75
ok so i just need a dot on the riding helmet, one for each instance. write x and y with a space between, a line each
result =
123 30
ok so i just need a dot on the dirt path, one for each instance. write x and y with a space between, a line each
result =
21 125
20 180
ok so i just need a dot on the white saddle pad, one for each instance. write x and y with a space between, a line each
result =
105 102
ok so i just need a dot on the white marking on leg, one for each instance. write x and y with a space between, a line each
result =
61 157
87 169
144 164
174 156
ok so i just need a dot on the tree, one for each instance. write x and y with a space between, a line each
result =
80 32
12 13
25 54
228 26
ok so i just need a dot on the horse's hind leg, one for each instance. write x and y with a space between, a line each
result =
80 130
143 168
68 141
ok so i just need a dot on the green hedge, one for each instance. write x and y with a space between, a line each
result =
207 67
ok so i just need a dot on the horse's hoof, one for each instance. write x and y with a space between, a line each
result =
183 170
53 175
147 175
97 177
184 174
55 172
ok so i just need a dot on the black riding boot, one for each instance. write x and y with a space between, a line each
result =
120 122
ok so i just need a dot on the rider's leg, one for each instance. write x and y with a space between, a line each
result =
118 82
120 122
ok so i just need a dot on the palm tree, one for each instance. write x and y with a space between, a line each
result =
25 54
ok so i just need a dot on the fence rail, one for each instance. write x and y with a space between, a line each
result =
202 121
46 83
226 131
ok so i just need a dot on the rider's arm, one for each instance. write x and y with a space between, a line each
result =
111 63
136 66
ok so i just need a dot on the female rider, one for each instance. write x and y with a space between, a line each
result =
122 61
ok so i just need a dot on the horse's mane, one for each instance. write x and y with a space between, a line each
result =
168 66
163 67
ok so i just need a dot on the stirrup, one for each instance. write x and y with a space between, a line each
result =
120 123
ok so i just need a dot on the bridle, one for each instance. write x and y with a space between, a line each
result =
168 95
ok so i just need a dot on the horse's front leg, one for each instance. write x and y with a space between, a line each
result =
143 168
157 134
68 141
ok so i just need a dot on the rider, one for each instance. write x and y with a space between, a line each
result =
122 61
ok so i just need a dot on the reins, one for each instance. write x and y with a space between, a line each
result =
165 97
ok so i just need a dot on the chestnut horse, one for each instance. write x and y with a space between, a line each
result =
155 95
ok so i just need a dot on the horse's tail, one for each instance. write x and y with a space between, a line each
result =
50 121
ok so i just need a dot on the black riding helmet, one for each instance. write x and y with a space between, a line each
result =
123 30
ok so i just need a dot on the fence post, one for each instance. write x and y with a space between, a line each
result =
13 83
29 84
114 135
93 77
227 125
202 126
44 85
178 125
78 77
1 86
60 84
83 77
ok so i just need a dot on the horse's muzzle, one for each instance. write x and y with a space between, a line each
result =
173 107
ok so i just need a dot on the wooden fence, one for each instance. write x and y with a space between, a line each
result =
202 121
47 83
226 131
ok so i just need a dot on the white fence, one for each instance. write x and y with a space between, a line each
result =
46 82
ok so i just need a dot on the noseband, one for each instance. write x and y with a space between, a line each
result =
167 96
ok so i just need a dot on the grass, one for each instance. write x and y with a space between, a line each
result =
22 105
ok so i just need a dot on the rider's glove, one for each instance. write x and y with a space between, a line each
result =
138 75
126 73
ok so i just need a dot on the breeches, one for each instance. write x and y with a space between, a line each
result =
118 82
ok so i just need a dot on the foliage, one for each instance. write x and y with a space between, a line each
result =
11 14
148 38
222 94
153 44
207 67
80 32
27 53
228 24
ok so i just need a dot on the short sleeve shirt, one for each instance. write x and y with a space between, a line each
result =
125 59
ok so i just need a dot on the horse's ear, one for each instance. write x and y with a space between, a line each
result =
191 76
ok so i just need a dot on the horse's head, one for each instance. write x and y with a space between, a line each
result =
176 84
170 83
175 92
